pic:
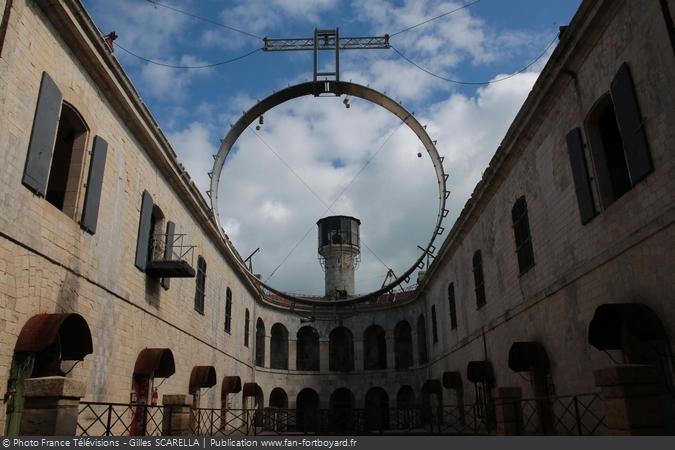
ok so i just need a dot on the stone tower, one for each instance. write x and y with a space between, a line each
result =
339 251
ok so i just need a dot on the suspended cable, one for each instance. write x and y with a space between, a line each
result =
328 207
451 80
204 19
173 66
434 18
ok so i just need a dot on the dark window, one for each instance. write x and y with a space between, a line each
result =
403 346
374 348
608 154
341 350
228 310
200 288
478 279
618 141
452 306
279 347
423 354
66 170
247 320
92 198
434 328
307 357
260 343
521 230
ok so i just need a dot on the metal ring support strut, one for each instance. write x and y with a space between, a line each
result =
336 88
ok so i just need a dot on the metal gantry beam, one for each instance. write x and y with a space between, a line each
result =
326 40
346 43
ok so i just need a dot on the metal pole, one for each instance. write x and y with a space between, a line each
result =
576 412
107 427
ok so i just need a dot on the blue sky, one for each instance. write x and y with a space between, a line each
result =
262 203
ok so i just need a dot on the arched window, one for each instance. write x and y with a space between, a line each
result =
200 285
67 167
228 310
422 340
247 320
434 328
307 355
479 281
405 398
452 306
374 348
279 347
260 343
521 231
341 350
278 399
403 346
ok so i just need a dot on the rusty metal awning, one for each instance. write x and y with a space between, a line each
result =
231 385
480 372
202 377
452 380
155 363
69 330
250 389
433 386
611 321
528 356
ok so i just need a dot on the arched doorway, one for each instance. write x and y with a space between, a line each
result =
341 350
341 406
151 363
406 415
377 410
307 410
308 349
44 343
279 347
403 346
374 348
277 419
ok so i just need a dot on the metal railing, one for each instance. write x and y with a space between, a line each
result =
459 419
119 419
167 247
582 414
223 422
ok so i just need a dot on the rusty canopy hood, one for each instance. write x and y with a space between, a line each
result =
43 330
155 363
202 377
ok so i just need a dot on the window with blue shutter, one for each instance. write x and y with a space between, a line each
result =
43 136
144 229
92 197
582 182
521 231
478 279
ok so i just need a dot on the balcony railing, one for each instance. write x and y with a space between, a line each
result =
171 257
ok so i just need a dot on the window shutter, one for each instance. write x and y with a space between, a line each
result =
582 183
92 197
168 250
42 136
630 124
144 232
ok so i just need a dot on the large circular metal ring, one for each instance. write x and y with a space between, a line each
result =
336 88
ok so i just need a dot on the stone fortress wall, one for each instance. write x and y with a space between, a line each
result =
619 253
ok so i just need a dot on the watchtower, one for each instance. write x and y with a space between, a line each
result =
339 254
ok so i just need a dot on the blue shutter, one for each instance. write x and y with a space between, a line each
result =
582 183
92 198
42 136
144 225
168 250
627 111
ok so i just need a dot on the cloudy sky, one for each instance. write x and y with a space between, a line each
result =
314 152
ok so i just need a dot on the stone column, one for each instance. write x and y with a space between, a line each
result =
358 354
324 355
268 351
176 420
391 353
633 399
51 406
508 413
292 354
